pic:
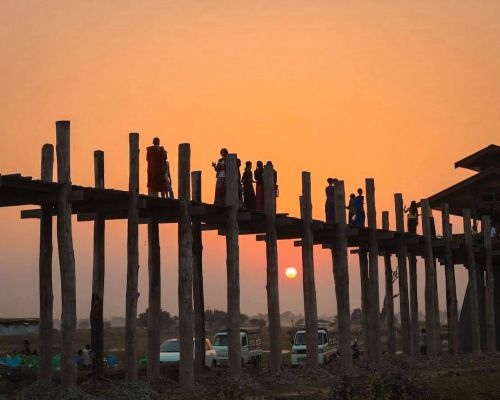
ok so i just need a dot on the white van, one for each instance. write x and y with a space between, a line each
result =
327 350
251 346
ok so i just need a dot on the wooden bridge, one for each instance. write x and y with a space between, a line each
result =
62 199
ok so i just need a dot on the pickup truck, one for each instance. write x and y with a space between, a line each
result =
251 346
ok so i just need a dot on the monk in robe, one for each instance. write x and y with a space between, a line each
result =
157 164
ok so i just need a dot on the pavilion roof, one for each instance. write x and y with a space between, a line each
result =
482 159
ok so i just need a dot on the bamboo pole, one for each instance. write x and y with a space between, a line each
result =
132 294
490 286
471 266
98 271
341 277
451 290
66 256
373 281
273 302
310 310
233 267
198 296
45 271
389 293
408 326
363 272
430 276
154 298
412 272
185 289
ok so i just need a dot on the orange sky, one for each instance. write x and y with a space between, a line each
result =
396 91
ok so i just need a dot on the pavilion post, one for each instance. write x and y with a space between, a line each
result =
66 256
451 290
490 286
408 329
412 273
132 293
233 266
154 297
45 271
363 272
198 295
341 277
389 293
373 281
310 310
185 289
474 302
98 271
430 277
273 304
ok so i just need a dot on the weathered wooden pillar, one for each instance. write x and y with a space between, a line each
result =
185 290
273 299
430 277
474 302
310 310
132 294
154 297
414 328
389 294
45 271
98 270
233 267
373 281
490 286
341 277
408 329
363 272
66 256
198 295
451 290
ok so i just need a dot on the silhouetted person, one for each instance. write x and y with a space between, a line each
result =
220 183
79 359
259 186
168 178
412 216
87 356
330 202
276 190
248 190
156 157
26 348
240 186
359 203
351 210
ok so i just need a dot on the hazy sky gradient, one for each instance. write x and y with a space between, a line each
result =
396 91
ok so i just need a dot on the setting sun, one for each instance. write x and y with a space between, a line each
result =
291 272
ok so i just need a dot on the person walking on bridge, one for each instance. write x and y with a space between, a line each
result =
359 202
220 174
330 201
156 157
248 190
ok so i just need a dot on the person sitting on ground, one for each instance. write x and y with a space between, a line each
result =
79 359
220 174
156 157
87 356
330 202
248 190
422 342
351 210
412 216
359 202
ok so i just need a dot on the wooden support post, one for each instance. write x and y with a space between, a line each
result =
430 277
310 310
363 272
273 299
132 294
474 302
66 256
451 290
389 294
490 286
186 370
233 267
45 271
408 330
373 281
341 277
412 272
198 296
154 298
98 270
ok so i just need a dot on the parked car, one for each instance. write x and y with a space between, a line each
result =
327 350
170 353
251 346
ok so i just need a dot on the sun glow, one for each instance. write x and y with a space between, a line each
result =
291 272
